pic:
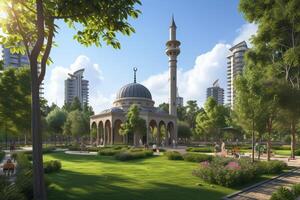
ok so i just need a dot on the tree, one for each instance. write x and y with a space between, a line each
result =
75 105
184 131
192 110
56 120
181 110
76 125
211 119
1 65
134 124
33 25
277 43
15 107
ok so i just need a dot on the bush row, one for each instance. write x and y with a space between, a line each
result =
200 149
231 172
132 155
284 193
190 157
52 166
297 152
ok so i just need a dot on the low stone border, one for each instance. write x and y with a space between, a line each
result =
84 153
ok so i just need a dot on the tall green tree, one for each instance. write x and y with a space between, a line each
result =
56 120
277 43
34 25
191 110
184 131
134 124
211 120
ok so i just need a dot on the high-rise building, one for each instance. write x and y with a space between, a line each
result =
216 92
18 60
179 100
235 65
14 59
76 86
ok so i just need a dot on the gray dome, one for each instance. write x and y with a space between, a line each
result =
134 90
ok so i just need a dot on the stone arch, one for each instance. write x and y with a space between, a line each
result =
100 133
107 132
117 137
161 132
153 132
170 133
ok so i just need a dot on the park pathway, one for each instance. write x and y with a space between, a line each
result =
264 190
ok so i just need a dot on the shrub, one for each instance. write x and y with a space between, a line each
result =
108 152
200 149
174 155
271 167
128 155
52 166
23 162
226 172
24 183
2 154
297 152
296 190
283 147
195 157
283 193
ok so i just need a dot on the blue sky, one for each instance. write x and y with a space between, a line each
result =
206 30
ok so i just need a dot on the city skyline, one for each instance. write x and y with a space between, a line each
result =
107 69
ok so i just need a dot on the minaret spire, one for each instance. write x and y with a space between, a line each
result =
173 51
134 74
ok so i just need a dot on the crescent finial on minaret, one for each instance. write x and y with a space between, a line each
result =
134 74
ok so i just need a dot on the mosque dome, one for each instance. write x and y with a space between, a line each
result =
134 90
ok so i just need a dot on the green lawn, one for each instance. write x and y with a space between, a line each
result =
91 177
283 152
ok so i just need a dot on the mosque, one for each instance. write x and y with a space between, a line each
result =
161 126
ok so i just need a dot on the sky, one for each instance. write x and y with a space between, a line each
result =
205 28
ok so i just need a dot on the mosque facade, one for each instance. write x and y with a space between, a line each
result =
161 125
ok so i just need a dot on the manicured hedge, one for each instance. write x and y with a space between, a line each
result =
195 157
108 152
129 155
271 167
174 155
200 149
283 147
52 166
284 193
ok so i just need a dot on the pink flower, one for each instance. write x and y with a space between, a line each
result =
204 164
233 165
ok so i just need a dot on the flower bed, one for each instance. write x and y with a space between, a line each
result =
230 172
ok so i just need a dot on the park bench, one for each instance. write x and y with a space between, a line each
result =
8 168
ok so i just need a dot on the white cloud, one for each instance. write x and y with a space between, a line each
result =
245 33
54 87
208 67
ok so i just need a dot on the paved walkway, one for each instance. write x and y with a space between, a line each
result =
264 190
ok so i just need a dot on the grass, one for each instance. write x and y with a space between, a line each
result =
92 177
283 152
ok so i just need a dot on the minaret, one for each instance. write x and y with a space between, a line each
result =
173 51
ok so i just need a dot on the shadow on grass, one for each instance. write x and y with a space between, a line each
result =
68 185
96 158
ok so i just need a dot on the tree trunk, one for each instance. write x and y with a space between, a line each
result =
253 138
38 170
293 139
269 140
